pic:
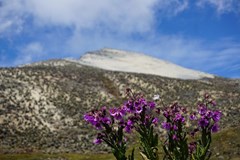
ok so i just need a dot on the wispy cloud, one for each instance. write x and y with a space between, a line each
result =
222 6
172 7
29 52
11 17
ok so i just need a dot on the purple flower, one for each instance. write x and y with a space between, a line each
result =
103 109
124 109
174 137
215 128
128 128
117 113
98 126
113 111
166 114
202 110
209 114
179 118
97 141
119 116
155 121
130 107
216 116
89 118
191 147
139 109
137 103
151 105
147 118
93 119
166 125
193 117
129 125
175 108
143 101
106 120
175 128
203 122
130 122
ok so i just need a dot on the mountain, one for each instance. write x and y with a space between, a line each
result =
124 61
117 60
42 104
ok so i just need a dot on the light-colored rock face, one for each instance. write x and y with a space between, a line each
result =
54 63
117 60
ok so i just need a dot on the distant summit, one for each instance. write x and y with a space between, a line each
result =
125 61
118 60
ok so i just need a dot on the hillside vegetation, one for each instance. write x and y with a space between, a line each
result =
42 106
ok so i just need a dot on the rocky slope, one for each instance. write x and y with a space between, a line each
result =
42 105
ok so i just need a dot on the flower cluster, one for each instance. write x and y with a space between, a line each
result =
126 115
98 118
136 113
174 117
135 107
207 122
207 118
176 141
142 116
110 123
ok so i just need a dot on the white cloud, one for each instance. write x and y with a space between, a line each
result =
125 16
10 17
222 6
213 57
172 7
29 52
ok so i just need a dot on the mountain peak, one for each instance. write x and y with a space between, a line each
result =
120 60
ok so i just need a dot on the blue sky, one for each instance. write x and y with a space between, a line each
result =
198 34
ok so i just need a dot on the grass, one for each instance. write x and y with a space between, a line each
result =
67 156
226 145
71 156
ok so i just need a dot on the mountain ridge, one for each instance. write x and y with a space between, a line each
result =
125 61
120 60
